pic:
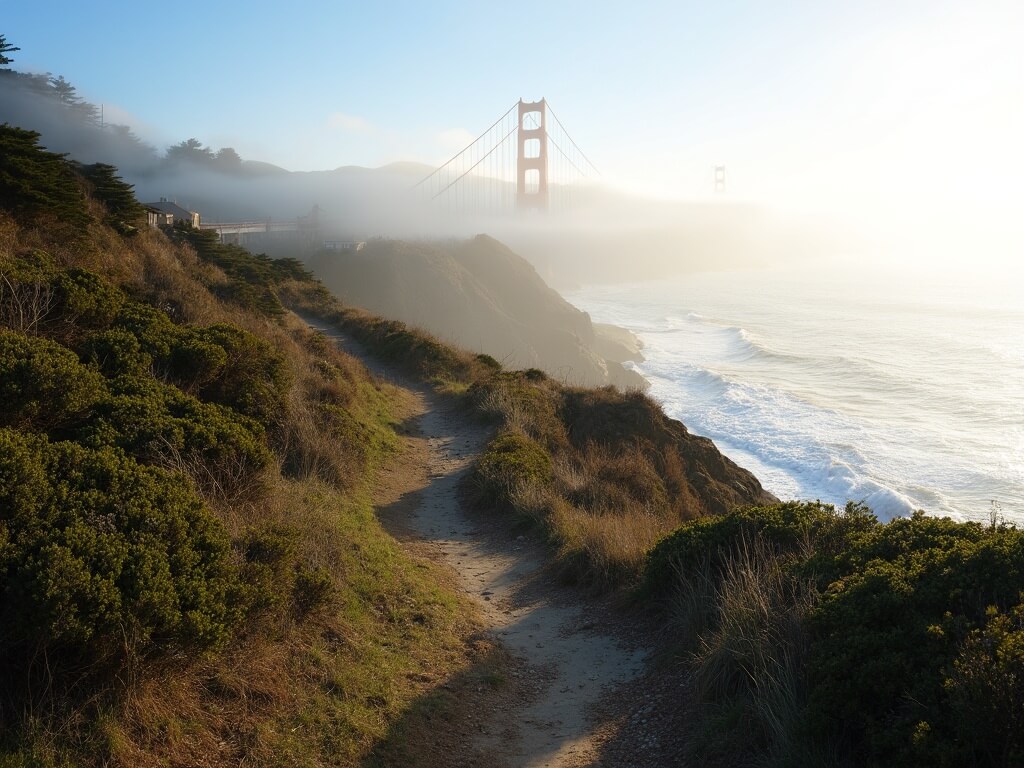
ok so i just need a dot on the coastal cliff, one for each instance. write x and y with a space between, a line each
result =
481 296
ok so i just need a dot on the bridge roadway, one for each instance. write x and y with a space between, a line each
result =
250 227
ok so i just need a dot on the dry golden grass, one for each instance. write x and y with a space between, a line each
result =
612 546
10 238
747 626
607 502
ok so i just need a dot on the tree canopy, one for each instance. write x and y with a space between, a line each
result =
190 150
6 48
34 182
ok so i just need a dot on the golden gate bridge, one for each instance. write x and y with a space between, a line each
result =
525 161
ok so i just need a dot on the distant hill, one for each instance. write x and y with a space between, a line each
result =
482 296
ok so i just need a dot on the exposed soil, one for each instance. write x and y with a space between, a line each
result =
560 679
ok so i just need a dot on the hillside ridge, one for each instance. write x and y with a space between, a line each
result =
479 295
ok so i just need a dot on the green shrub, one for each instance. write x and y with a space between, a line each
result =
43 386
253 379
510 461
157 423
115 352
985 689
85 300
155 331
902 622
885 631
220 363
535 374
194 362
709 541
488 362
98 551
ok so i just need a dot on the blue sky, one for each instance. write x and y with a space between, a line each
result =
810 104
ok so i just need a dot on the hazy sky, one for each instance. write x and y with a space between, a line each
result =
863 105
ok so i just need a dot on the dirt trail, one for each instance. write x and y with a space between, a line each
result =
565 661
548 632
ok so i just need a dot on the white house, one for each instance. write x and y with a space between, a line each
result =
166 214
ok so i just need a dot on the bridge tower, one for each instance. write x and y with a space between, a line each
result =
532 158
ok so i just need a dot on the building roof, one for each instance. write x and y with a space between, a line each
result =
174 209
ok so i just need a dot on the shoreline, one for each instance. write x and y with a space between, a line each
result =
817 410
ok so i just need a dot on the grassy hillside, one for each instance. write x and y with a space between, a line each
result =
606 473
479 295
191 571
190 568
808 636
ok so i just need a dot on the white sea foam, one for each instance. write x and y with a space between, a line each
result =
830 393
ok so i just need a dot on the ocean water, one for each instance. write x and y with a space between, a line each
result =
901 392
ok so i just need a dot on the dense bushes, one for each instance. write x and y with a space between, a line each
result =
219 363
93 540
986 691
888 630
166 595
220 450
43 386
99 554
222 383
96 546
895 627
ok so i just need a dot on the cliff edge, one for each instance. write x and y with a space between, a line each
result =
481 296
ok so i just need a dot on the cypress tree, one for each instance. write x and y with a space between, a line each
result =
34 182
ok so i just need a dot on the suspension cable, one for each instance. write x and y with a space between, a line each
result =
470 169
569 159
571 139
468 146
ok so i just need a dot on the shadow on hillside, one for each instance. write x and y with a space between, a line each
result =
652 722
441 727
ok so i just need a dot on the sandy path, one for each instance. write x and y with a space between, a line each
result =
547 631
559 648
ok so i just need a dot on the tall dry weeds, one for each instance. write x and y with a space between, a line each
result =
747 623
